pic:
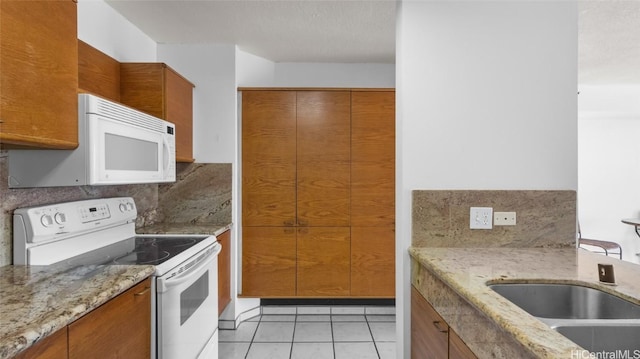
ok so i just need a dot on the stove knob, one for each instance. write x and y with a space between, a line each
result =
122 207
46 220
60 218
129 206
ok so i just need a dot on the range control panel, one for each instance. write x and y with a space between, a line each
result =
52 222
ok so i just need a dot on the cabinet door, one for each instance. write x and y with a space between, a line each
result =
268 261
323 261
457 348
373 158
179 110
324 156
39 82
158 90
51 347
268 158
373 269
224 271
120 328
429 332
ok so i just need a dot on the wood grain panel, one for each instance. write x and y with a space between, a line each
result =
323 262
429 332
373 269
179 110
51 347
324 142
224 271
373 194
269 158
324 126
39 82
142 87
457 348
120 328
373 159
98 73
268 262
323 195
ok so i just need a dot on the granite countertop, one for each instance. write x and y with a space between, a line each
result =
468 270
184 228
36 301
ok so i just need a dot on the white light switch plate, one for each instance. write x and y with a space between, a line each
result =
504 218
481 218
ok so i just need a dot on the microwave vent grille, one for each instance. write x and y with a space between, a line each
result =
128 115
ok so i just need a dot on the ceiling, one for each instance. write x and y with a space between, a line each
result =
350 31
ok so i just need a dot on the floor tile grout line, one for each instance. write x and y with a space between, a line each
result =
375 346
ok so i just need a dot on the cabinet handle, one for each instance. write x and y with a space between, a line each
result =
143 292
436 323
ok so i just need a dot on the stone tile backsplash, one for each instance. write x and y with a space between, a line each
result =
544 218
201 193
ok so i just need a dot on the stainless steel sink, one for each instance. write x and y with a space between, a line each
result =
607 338
566 301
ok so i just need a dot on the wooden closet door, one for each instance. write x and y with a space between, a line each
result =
323 261
268 158
323 158
268 262
373 269
373 159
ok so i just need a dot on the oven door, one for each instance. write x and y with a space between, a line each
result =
187 305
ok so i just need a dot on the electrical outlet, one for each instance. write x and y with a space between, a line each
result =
480 217
504 218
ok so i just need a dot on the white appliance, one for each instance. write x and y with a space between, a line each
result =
102 232
117 145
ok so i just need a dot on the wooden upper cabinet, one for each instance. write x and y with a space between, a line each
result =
158 90
268 158
98 73
323 158
39 81
373 158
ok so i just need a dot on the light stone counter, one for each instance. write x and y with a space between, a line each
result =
36 301
454 281
180 228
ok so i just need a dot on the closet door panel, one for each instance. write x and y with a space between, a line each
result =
323 262
268 158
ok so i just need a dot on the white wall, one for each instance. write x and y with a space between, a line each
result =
487 99
335 75
102 27
211 68
609 164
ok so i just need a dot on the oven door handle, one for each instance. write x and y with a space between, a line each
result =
164 284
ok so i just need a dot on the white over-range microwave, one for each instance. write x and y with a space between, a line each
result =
117 145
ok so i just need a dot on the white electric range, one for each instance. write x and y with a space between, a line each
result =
102 232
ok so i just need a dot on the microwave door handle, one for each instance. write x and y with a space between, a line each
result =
165 158
164 284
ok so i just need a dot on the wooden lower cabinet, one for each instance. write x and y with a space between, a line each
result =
268 261
373 252
51 347
457 348
224 271
431 336
120 328
324 262
429 332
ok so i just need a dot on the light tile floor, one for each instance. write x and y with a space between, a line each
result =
313 332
